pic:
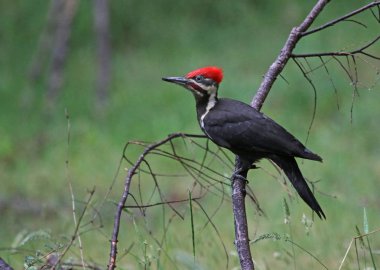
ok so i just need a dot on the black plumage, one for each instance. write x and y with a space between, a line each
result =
252 136
245 131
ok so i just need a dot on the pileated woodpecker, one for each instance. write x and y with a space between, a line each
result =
245 131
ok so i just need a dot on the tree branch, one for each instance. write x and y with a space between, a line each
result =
4 265
341 19
278 65
240 217
238 182
342 53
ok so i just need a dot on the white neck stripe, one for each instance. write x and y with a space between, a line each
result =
210 104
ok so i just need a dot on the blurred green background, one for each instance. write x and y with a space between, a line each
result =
152 39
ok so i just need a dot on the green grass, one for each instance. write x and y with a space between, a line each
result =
170 38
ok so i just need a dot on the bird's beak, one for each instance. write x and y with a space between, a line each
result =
177 80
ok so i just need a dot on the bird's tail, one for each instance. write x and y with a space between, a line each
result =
310 155
290 168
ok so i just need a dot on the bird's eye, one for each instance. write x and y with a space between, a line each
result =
198 78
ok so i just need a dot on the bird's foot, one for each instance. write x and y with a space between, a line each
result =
253 167
236 175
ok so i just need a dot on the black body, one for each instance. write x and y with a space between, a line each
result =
252 136
249 134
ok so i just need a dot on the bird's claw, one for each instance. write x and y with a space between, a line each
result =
253 167
236 175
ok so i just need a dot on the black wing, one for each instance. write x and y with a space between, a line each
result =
242 129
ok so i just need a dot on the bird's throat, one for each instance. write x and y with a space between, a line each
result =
205 106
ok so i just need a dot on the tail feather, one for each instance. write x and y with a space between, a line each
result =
310 155
290 168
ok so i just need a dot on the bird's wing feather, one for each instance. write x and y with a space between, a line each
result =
243 128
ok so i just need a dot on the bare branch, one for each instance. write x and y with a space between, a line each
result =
160 203
377 17
357 22
331 81
343 18
278 65
4 265
238 184
131 172
350 53
240 218
159 190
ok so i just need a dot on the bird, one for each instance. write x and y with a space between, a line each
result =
246 132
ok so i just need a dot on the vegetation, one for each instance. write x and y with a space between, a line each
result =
165 38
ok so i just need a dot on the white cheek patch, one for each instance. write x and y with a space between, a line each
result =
210 89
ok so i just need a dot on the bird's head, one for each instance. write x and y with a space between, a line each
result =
202 82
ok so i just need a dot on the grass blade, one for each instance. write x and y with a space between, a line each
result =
192 223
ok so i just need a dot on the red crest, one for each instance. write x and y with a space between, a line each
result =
211 72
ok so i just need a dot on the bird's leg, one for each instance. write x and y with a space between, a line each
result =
240 175
242 166
237 175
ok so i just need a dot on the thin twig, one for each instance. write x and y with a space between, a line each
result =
278 65
331 81
160 203
315 98
131 172
343 18
217 232
76 229
360 50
